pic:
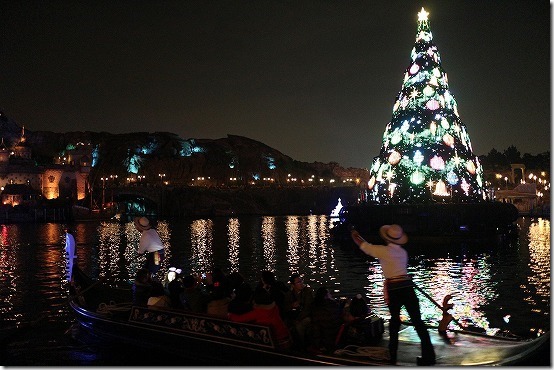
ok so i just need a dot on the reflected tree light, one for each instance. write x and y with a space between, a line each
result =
321 258
375 290
108 248
201 237
134 261
440 283
468 281
312 241
268 242
539 260
233 236
293 230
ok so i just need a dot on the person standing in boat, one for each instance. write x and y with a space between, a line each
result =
70 250
399 288
151 244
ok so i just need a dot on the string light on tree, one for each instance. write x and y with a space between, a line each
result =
426 147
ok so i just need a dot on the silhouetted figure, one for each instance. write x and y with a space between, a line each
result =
242 301
399 288
266 312
194 299
158 298
277 289
325 321
359 327
298 309
142 287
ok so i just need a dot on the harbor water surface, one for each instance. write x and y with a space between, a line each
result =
501 289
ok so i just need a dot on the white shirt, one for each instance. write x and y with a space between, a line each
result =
70 250
70 245
150 241
392 257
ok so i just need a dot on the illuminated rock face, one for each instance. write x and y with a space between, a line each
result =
426 154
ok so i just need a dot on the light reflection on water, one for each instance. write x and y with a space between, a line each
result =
539 261
514 280
268 242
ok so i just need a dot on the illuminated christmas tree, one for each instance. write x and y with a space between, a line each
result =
426 154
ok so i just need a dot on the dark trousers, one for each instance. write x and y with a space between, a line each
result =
154 261
406 297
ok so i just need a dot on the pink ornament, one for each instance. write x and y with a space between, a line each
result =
437 163
414 68
432 104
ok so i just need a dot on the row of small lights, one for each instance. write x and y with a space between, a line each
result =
203 178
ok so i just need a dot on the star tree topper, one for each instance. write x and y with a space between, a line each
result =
422 15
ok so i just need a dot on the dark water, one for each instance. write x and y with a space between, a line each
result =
502 289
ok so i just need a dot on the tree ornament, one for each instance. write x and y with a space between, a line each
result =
452 178
440 189
371 182
418 157
428 91
396 137
465 186
433 127
432 104
437 163
417 177
394 157
470 167
448 140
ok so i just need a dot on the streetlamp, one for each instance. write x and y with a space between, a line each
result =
162 175
506 180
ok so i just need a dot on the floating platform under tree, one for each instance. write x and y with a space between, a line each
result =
431 223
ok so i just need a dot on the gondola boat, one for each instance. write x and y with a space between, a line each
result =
107 313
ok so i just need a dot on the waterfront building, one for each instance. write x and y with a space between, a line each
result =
23 181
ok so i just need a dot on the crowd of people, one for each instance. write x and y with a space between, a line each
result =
317 323
298 317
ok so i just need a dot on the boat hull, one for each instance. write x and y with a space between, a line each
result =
214 341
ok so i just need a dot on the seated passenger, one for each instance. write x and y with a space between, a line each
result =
266 312
235 280
277 289
242 302
219 299
326 321
194 299
298 308
175 288
359 328
142 287
158 298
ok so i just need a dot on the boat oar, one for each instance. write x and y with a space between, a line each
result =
444 310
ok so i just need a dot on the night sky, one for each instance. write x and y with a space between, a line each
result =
316 80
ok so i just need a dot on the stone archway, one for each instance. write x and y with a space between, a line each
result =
517 166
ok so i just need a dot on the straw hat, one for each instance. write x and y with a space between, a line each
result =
393 234
142 223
